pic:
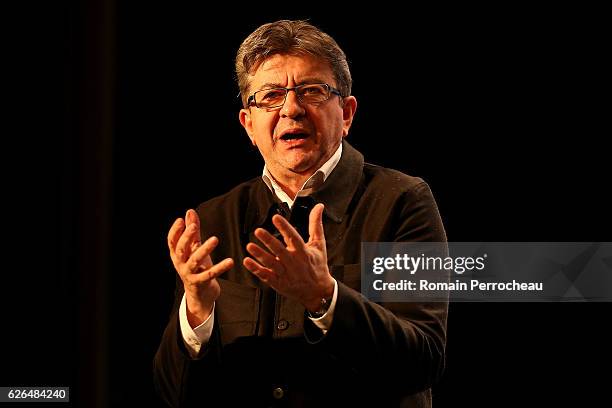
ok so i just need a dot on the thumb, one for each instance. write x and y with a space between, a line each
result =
315 224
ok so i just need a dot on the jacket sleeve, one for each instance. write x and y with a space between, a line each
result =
173 368
400 346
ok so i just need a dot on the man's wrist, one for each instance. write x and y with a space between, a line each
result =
322 309
197 313
320 304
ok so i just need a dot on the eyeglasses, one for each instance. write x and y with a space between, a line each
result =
307 93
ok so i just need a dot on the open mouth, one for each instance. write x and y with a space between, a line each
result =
294 136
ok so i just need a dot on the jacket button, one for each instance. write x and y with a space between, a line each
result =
282 325
278 393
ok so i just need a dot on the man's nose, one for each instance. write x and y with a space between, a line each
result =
292 107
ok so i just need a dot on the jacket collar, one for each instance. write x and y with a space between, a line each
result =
338 190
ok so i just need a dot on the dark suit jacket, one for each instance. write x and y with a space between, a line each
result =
265 352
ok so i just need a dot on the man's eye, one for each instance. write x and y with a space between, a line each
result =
272 95
312 90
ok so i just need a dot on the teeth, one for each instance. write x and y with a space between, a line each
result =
291 136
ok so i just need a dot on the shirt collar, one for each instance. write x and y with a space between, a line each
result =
312 184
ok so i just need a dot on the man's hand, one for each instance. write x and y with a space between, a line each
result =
295 269
192 261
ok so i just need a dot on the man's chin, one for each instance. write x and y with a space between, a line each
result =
302 165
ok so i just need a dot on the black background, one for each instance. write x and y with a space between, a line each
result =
121 115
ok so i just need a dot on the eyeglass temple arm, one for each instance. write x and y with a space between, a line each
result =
334 91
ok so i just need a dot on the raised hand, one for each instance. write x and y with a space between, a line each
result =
192 262
295 268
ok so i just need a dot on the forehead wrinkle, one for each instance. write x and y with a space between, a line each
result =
276 72
272 85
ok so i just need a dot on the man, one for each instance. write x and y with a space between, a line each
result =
268 310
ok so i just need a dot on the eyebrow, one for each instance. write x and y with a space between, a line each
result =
270 85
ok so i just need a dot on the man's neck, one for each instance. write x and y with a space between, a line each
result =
291 182
291 185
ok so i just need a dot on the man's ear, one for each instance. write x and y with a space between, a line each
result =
244 116
349 106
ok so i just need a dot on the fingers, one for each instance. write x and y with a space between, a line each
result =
266 275
214 271
273 244
191 217
184 244
188 255
290 235
261 255
200 255
315 224
174 234
182 238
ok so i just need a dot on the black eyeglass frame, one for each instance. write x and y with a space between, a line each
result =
331 90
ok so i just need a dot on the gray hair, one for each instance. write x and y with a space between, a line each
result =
290 37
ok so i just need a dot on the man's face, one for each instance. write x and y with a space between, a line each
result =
297 138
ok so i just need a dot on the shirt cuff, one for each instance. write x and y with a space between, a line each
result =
195 338
324 322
